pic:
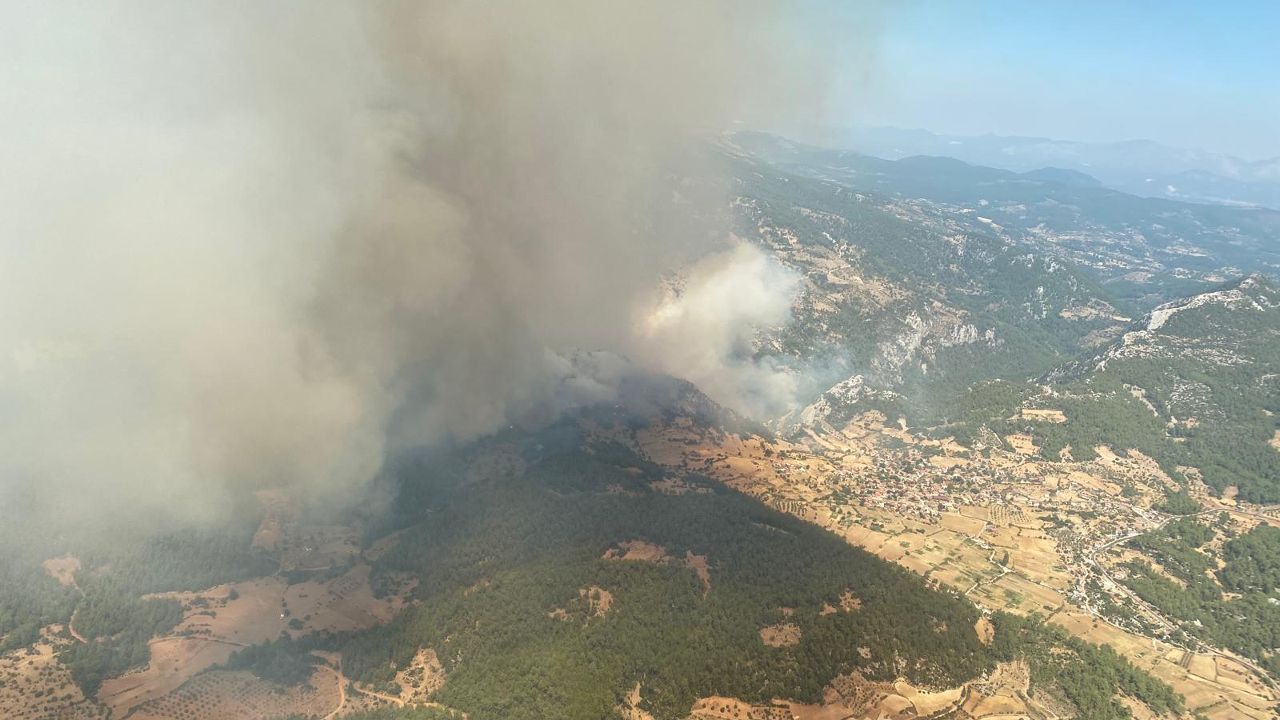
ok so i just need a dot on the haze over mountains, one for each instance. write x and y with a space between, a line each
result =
1141 167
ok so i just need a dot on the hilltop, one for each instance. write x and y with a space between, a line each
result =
1141 167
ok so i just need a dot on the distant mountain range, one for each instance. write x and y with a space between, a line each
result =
1146 250
1140 167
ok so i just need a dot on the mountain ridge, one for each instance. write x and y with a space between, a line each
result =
1142 167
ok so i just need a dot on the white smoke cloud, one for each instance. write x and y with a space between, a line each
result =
705 331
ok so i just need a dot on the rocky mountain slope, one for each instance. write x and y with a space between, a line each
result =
912 296
1202 374
996 291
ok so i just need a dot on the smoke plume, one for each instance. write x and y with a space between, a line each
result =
705 331
257 244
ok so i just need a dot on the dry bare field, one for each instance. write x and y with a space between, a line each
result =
647 552
214 626
35 685
1003 693
63 569
780 635
220 694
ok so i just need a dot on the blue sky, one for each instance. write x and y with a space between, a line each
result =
1195 74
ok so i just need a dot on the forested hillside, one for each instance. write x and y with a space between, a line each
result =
1192 385
1233 606
501 562
496 559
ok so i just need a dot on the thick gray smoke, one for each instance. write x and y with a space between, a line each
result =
246 244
